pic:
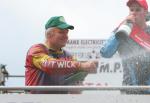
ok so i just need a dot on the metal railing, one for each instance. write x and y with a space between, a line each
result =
66 88
16 76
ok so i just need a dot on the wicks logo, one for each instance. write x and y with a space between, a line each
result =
59 64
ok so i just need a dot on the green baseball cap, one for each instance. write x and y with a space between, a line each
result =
59 22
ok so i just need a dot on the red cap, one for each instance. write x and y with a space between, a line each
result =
142 3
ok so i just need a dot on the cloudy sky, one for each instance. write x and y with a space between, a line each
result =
22 24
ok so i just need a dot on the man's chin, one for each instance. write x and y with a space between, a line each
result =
63 45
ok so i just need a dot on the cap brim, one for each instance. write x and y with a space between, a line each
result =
65 26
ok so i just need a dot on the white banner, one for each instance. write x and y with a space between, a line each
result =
109 71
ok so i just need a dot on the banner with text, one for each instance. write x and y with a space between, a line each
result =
109 71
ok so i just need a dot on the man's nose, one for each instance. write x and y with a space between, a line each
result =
65 35
133 12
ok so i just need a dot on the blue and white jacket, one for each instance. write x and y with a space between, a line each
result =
135 59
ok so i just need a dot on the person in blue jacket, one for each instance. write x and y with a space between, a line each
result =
134 52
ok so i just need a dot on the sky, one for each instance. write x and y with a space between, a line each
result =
22 24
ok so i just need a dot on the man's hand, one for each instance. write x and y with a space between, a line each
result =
131 18
89 66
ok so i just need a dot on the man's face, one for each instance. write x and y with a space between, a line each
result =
138 12
59 37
